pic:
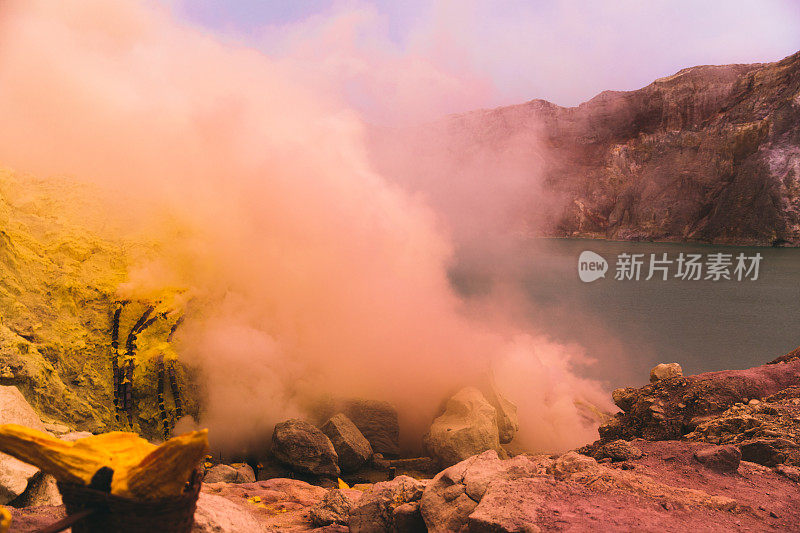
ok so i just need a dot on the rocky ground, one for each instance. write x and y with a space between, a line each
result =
710 452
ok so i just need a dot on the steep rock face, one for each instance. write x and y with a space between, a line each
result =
708 154
711 154
59 277
55 289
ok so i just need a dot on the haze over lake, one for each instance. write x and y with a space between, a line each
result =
630 326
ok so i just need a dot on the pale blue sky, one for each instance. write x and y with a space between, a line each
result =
488 53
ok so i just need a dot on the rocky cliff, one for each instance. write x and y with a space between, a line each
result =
58 287
710 154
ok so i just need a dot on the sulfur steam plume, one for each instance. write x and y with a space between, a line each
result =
310 274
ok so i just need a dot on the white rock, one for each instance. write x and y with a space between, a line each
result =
14 474
665 371
74 435
56 429
467 427
216 514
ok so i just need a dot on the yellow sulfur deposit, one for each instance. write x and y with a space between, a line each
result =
5 520
166 469
52 455
126 449
141 470
65 263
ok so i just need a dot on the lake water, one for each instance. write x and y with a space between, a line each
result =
630 326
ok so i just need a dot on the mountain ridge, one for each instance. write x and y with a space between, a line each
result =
708 154
711 153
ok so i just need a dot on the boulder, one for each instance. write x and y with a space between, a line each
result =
406 464
216 514
378 422
304 448
624 398
238 473
41 491
14 409
506 413
14 474
509 507
334 508
467 427
14 478
453 494
220 474
351 446
375 510
720 458
619 450
665 371
406 518
245 473
451 500
573 463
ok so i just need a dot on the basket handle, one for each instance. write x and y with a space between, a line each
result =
64 523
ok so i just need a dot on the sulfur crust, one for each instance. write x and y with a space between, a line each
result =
141 469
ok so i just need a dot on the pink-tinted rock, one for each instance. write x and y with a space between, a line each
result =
334 508
33 519
406 518
304 448
374 511
668 409
378 422
352 448
509 507
454 493
720 458
240 473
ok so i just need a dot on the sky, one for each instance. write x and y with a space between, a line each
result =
466 54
